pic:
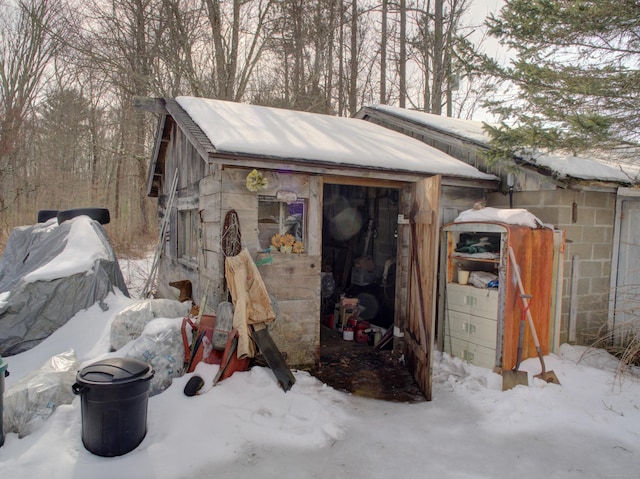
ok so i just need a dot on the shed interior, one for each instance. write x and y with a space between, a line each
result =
359 251
359 247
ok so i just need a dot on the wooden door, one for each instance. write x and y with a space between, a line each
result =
627 279
421 311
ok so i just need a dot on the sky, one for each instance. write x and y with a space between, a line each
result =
248 427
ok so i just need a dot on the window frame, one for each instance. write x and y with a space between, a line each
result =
187 234
283 213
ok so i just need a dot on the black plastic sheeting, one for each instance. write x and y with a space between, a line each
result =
31 311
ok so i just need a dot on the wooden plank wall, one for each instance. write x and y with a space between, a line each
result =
402 272
211 260
183 156
293 280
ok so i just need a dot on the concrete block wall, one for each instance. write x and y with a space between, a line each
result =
588 219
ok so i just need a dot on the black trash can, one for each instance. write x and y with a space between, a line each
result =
3 374
115 394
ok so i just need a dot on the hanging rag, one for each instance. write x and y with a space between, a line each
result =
252 305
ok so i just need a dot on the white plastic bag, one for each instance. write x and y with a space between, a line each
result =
481 279
29 402
160 346
129 323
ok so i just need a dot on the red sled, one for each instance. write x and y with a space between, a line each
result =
203 349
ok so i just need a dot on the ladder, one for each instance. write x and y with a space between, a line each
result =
163 230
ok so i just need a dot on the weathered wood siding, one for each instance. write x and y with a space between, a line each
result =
292 279
211 260
181 155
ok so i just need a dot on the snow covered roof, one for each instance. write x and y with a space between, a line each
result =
243 129
601 166
569 166
468 129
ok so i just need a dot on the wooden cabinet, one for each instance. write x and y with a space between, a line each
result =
481 324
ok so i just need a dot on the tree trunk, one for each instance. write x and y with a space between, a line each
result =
329 81
353 70
383 53
438 54
341 76
402 64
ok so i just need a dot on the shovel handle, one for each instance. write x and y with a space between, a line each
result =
520 341
524 297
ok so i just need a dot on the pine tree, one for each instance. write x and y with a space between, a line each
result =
575 74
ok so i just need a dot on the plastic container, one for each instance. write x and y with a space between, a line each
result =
115 394
224 325
3 374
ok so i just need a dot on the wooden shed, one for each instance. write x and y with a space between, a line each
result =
350 193
595 200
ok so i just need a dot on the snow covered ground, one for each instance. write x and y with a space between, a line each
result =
247 427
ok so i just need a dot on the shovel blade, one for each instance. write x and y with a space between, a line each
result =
511 379
549 377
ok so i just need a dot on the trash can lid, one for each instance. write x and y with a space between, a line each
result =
115 371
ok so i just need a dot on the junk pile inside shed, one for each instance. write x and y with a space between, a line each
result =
359 252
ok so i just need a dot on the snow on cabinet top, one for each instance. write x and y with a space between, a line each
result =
514 216
241 128
602 166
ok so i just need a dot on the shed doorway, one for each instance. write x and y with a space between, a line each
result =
359 251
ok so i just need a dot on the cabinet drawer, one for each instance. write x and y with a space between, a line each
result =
472 353
471 328
469 299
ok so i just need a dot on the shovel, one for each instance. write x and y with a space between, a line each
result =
547 376
512 377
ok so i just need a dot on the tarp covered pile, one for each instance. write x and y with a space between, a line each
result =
49 272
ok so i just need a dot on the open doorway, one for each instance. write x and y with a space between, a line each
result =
359 251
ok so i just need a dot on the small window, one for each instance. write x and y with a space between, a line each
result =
188 235
278 217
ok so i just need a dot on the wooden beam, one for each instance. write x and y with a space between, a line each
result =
360 181
342 174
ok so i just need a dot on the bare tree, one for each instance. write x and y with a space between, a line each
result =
186 66
402 61
353 61
383 52
438 58
123 42
438 49
28 42
236 55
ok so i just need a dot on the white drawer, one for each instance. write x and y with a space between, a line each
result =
471 328
469 352
480 302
